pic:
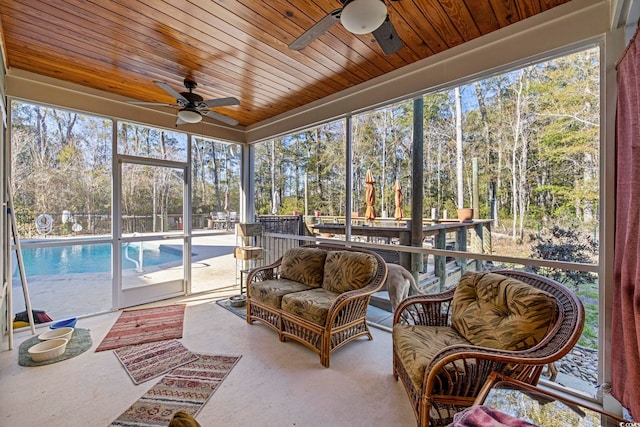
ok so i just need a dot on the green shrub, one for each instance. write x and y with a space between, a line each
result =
572 246
565 245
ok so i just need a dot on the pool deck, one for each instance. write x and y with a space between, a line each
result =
214 270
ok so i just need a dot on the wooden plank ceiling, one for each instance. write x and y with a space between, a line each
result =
233 47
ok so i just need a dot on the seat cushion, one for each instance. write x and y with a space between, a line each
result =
312 305
304 265
416 346
347 271
270 292
492 310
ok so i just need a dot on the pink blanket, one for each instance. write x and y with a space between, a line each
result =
484 416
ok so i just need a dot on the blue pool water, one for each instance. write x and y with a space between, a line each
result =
93 258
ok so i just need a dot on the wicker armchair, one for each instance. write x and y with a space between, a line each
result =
336 317
451 378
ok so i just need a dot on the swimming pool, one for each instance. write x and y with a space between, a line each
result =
90 258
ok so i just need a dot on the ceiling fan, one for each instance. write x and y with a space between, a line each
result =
192 106
358 17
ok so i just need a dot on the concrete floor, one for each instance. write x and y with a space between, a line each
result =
274 384
215 275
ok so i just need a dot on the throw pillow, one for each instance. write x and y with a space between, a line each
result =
346 271
304 265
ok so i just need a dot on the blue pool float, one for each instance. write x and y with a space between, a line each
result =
67 323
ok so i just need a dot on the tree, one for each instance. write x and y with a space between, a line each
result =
459 152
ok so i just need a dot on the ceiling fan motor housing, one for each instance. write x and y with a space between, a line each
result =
194 99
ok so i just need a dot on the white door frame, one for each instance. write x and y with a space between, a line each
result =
126 297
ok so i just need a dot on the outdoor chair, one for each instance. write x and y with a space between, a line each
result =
234 218
446 345
172 223
220 221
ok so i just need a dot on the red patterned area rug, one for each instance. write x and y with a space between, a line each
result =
146 361
186 388
145 325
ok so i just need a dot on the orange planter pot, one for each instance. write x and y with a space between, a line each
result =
465 214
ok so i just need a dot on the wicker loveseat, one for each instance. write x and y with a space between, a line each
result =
446 345
317 295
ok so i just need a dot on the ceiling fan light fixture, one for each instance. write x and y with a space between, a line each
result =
363 16
189 116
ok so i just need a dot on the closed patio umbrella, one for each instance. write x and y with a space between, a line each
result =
398 197
276 203
226 201
370 213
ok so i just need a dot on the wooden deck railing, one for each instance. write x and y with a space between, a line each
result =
472 236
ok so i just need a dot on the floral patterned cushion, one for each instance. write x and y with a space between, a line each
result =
270 292
500 312
416 345
304 265
347 271
312 305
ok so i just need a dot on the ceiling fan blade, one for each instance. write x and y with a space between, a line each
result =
171 91
220 102
318 29
387 37
220 117
163 104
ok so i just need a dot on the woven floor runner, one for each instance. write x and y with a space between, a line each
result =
186 388
145 325
150 360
